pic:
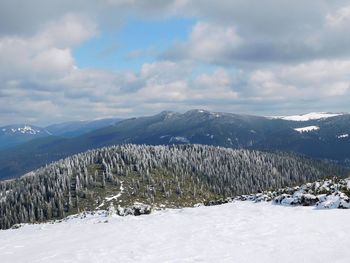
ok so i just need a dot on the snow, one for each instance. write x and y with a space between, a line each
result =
307 129
26 129
210 135
343 136
234 232
334 201
179 139
114 197
308 116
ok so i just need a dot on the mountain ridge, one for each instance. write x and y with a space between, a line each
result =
329 141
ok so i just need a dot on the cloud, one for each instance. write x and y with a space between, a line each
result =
19 17
258 32
258 57
317 80
207 43
340 18
46 53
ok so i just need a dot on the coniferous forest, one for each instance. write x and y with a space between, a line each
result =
161 176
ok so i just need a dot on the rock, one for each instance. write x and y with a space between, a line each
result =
308 200
220 201
322 194
331 201
135 210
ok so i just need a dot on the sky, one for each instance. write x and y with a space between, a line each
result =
83 59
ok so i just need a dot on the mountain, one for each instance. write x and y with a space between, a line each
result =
76 128
17 134
13 135
159 176
326 137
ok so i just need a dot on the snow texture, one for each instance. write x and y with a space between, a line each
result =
343 136
235 232
25 129
308 116
307 129
179 139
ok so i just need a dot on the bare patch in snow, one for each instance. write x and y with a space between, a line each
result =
114 197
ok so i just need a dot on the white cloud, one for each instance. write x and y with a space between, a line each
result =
215 86
208 43
340 18
317 80
70 30
47 53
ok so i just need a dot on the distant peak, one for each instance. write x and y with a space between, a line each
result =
166 113
22 129
195 111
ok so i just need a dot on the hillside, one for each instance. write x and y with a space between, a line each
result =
160 176
318 136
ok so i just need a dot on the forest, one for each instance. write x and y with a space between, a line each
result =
160 176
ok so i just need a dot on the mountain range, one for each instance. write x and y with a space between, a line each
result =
317 135
12 135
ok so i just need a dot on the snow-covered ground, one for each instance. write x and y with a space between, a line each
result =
308 116
307 129
342 136
235 232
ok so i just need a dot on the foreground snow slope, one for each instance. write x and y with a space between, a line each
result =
234 232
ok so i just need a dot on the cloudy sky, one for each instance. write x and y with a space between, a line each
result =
83 59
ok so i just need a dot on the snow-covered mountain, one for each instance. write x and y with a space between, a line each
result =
18 134
23 129
12 135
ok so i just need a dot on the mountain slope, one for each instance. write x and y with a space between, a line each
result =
76 128
330 140
165 128
170 176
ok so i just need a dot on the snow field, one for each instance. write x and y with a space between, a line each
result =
235 232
